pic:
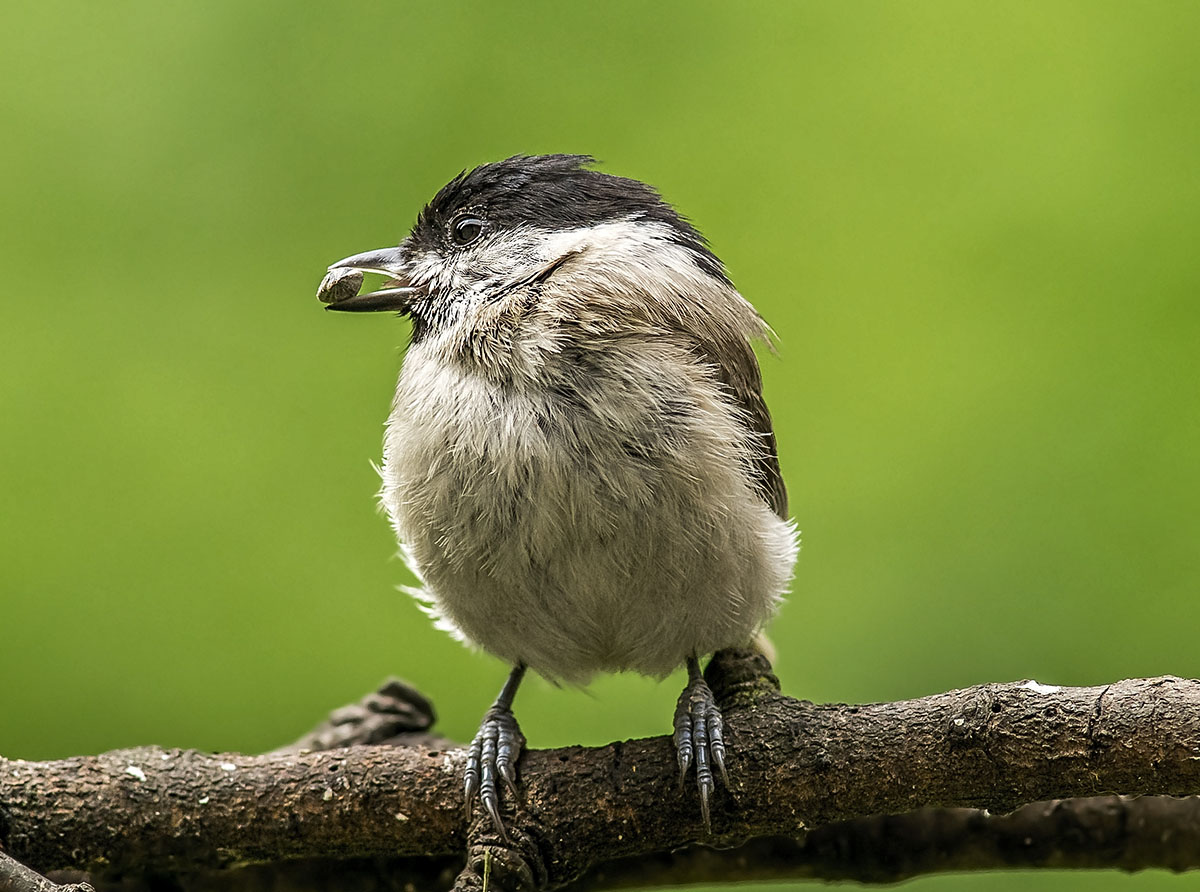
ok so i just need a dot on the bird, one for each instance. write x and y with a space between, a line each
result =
579 463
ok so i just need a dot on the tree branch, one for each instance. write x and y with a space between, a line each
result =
16 877
600 817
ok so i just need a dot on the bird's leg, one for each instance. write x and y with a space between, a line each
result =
495 751
699 735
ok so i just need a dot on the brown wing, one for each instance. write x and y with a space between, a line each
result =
720 326
737 368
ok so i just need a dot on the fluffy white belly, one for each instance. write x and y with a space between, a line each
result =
577 533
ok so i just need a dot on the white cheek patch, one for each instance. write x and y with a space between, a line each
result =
509 257
628 250
636 253
483 270
630 267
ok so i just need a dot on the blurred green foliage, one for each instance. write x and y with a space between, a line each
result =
974 228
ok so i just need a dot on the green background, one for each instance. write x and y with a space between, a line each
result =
973 226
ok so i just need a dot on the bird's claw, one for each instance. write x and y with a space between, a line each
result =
493 754
699 737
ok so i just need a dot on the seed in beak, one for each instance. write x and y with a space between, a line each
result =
339 285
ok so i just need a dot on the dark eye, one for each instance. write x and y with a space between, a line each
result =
466 230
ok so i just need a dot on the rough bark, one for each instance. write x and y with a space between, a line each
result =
831 791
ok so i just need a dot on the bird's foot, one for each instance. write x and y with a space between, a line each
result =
699 737
493 754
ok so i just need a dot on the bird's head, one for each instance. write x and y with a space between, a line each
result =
512 224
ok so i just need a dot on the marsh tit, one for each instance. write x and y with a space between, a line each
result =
578 463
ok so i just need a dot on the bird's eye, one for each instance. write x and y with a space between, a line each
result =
466 230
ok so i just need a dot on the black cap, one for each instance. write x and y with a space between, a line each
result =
552 192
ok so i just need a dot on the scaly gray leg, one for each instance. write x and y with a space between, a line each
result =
699 735
495 751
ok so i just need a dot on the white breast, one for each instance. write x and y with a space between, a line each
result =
596 519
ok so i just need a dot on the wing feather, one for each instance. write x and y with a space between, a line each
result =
737 369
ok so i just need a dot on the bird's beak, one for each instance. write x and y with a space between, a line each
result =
339 288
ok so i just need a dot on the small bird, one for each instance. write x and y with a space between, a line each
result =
579 463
